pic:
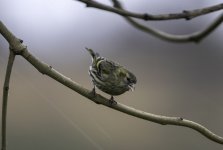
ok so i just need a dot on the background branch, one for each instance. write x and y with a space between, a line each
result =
5 97
194 37
186 14
48 70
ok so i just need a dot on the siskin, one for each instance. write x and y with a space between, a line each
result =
110 77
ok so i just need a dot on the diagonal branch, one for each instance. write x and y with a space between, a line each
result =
5 97
186 14
194 37
49 71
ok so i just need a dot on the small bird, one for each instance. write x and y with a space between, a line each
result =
109 76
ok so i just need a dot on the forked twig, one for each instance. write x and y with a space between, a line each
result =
193 37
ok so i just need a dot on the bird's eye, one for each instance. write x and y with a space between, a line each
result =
128 79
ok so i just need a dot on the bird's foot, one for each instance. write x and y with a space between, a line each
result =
93 92
112 101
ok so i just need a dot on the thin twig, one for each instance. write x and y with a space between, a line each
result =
5 97
186 14
51 72
193 37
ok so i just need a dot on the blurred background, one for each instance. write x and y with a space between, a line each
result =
173 79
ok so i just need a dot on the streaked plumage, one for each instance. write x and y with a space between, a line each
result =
110 77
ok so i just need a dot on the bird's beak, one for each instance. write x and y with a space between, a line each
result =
131 87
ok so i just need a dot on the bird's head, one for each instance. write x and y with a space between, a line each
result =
129 78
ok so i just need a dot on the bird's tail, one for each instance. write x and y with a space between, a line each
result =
93 54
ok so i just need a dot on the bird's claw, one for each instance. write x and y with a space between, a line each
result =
93 92
112 101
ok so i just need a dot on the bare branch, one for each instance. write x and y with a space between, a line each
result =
5 97
186 14
194 37
164 120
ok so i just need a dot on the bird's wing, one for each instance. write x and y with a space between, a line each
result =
105 69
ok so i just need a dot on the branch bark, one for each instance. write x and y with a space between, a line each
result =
186 14
5 97
51 72
194 37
